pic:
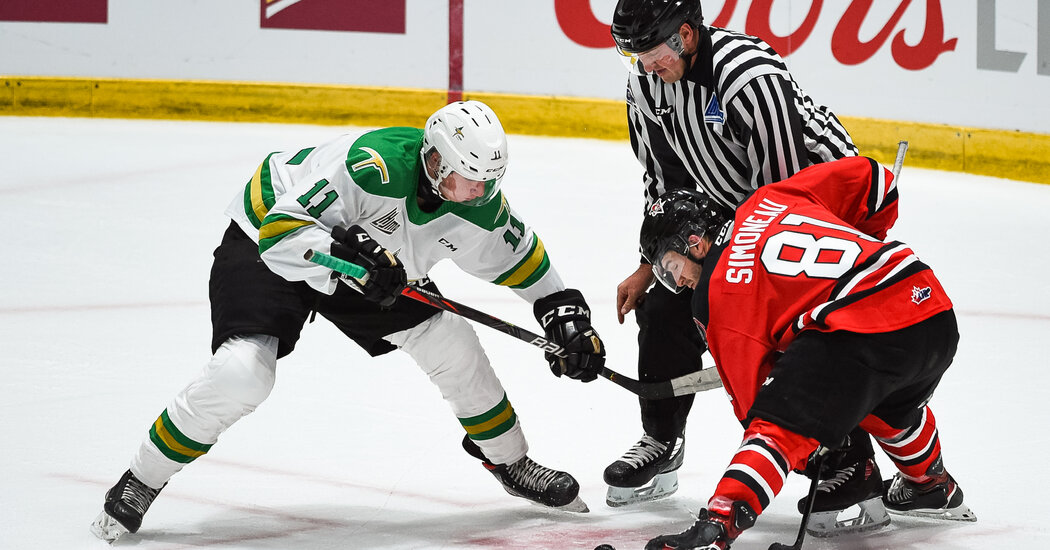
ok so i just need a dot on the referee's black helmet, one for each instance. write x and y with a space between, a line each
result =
641 25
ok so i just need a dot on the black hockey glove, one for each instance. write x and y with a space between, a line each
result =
386 276
566 321
711 529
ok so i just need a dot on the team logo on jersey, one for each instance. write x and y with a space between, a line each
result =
374 161
387 223
657 208
920 295
714 114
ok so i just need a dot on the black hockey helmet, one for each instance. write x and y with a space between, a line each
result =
671 220
641 25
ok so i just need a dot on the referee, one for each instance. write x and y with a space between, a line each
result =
714 110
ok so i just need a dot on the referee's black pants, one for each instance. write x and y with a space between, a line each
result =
669 346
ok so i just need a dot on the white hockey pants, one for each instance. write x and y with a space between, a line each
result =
234 382
449 352
242 372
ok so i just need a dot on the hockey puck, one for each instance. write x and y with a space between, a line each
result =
604 547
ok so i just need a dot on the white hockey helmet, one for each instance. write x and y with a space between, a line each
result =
471 142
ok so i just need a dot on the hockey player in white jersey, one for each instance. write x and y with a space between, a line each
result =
397 200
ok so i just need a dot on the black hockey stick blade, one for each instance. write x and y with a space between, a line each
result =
695 382
699 381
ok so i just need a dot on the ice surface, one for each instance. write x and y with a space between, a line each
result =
104 317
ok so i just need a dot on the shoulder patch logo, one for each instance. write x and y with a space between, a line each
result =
374 161
714 114
920 295
387 223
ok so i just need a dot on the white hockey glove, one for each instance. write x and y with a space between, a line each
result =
566 321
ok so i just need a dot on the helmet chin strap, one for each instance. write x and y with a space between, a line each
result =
690 257
437 189
435 182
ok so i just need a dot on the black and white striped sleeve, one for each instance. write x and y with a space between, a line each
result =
663 167
770 126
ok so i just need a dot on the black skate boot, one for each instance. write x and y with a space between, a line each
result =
531 481
939 498
647 471
849 500
712 530
125 505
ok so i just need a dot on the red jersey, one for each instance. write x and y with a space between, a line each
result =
808 253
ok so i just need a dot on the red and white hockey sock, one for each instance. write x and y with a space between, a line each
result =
758 469
912 449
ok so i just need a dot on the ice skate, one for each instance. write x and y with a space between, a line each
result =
544 486
849 501
938 498
534 482
647 471
126 503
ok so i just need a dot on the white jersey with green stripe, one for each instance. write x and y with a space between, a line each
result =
295 199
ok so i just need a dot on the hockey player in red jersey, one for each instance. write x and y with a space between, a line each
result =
817 325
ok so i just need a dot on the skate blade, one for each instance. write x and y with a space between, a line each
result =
107 528
577 506
961 512
661 486
868 515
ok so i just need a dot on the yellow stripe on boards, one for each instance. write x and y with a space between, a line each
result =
992 152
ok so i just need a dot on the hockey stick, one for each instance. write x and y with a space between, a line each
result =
821 452
902 149
702 380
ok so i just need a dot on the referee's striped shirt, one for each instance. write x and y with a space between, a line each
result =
735 122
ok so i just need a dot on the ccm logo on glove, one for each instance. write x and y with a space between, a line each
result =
566 321
565 311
